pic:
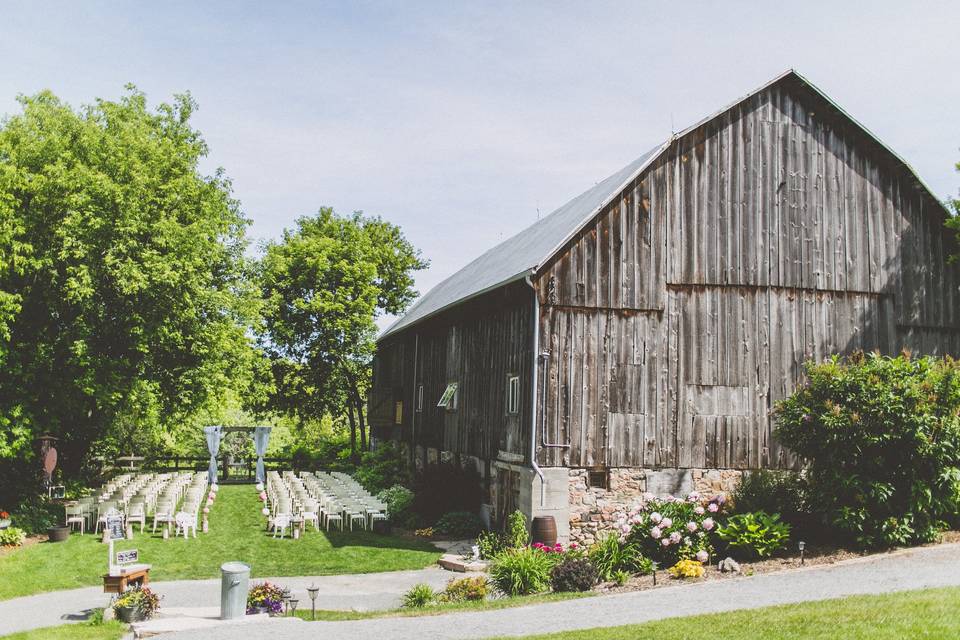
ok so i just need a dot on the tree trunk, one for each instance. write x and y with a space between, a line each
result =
353 434
363 424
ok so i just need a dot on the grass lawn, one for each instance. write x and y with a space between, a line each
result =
112 630
236 533
932 613
437 609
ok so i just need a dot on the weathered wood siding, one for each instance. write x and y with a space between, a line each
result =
478 345
773 234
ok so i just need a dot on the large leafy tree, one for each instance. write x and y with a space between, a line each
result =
124 297
324 285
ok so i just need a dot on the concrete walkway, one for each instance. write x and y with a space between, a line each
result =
362 592
913 569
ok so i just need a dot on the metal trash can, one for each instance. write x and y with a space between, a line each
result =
234 584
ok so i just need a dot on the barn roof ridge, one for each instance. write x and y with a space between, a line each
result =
525 252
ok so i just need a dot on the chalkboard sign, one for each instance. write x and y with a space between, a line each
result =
114 525
127 557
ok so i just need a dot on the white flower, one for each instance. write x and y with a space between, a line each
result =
712 507
698 510
708 524
675 537
665 542
702 556
691 526
694 497
655 533
655 517
666 523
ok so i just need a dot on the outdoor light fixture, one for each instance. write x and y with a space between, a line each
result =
286 601
802 545
313 590
293 605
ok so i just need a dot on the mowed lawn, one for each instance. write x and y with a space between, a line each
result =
928 614
237 532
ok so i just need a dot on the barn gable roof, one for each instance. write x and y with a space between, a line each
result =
522 254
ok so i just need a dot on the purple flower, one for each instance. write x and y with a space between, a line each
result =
691 526
708 524
655 533
702 556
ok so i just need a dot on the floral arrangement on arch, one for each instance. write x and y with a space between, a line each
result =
670 529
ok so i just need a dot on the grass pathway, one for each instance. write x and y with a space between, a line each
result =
236 533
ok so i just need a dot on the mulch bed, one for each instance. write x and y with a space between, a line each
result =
813 556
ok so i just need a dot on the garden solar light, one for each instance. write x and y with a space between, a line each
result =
313 590
293 605
802 545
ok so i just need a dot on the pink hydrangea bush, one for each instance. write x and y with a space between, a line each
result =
669 529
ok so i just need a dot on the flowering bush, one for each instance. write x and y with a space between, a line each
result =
687 569
466 589
426 532
670 529
882 441
265 595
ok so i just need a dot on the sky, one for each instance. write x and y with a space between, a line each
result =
463 121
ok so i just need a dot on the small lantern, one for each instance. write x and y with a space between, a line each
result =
803 546
313 590
293 605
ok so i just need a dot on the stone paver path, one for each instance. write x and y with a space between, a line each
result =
914 569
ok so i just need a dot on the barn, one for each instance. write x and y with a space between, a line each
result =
637 338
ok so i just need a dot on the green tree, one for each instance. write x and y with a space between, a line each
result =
324 285
125 301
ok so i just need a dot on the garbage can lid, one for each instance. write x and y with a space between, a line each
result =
234 567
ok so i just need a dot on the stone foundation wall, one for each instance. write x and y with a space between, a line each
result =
593 510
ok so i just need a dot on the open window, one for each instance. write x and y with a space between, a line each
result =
513 395
449 398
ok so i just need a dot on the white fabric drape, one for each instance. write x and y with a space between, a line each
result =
261 436
213 435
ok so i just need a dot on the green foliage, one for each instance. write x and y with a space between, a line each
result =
662 532
573 574
881 437
518 572
399 501
620 577
419 596
323 285
490 544
466 589
381 468
12 537
442 488
610 555
459 524
770 491
517 534
755 535
123 289
140 598
36 515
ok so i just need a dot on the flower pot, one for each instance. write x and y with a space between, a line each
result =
4 523
255 610
129 614
58 534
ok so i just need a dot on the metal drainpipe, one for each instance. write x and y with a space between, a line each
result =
413 406
533 393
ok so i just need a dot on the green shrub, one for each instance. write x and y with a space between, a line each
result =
399 501
517 535
490 543
12 537
459 524
36 516
668 530
609 555
881 437
419 596
573 574
466 589
620 577
381 468
755 535
687 569
520 572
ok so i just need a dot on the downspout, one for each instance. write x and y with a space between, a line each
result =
533 392
413 406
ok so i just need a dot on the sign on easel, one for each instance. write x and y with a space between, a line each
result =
114 527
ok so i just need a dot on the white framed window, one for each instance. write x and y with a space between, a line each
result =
419 398
513 395
449 398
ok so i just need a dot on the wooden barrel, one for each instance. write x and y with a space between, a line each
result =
544 530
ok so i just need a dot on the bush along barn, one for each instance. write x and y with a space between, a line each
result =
638 338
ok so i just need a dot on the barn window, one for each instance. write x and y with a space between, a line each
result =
599 479
419 398
449 397
513 394
398 412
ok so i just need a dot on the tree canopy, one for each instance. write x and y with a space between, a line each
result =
124 290
324 285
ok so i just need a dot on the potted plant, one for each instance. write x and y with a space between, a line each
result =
4 519
139 603
58 533
265 598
